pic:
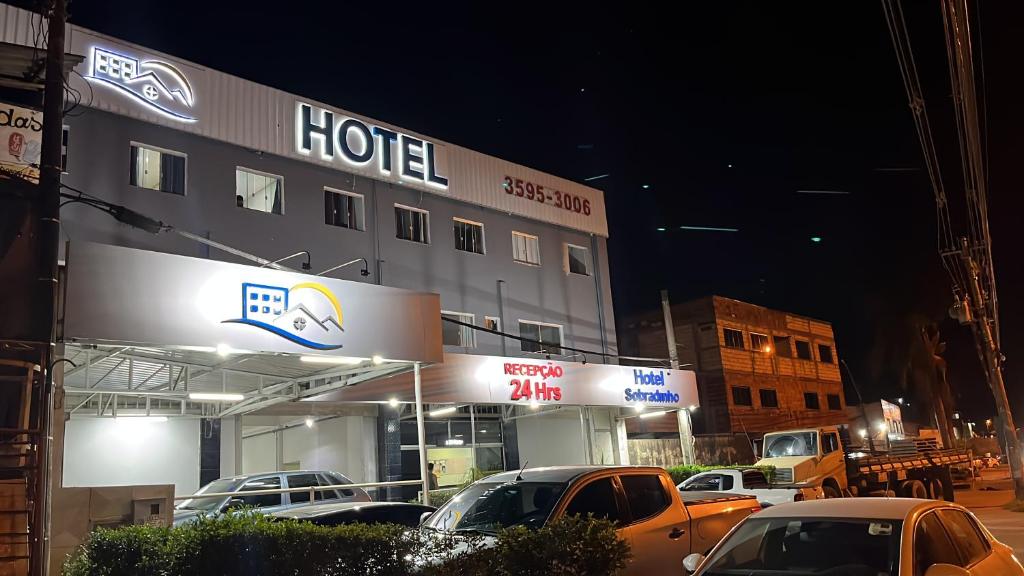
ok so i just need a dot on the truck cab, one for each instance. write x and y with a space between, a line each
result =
811 457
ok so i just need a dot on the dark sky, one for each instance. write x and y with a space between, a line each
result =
724 109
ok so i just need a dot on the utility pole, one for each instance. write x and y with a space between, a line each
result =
49 231
982 326
683 415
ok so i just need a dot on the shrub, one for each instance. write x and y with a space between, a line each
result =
680 473
251 544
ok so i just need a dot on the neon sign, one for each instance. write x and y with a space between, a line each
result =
156 85
359 144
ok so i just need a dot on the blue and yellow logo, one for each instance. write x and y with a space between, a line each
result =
308 313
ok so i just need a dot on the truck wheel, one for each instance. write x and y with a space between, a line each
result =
831 491
935 489
913 489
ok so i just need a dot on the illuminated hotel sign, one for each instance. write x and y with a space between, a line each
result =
358 144
154 84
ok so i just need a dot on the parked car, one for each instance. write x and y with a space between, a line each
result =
864 536
337 513
751 482
661 524
188 510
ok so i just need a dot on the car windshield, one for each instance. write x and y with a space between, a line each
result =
210 504
796 546
490 506
792 444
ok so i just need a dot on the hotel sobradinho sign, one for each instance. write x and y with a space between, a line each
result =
332 136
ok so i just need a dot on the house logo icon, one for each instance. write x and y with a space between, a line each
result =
308 313
155 84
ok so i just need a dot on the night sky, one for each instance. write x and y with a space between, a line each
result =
724 110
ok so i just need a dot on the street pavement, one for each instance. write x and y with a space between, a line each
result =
986 499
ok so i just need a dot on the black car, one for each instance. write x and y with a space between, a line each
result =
338 513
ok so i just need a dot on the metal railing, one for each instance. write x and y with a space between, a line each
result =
312 490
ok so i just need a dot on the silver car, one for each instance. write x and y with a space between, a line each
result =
188 510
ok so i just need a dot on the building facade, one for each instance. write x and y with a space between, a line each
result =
758 369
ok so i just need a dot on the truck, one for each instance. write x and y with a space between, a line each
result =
824 457
661 524
752 482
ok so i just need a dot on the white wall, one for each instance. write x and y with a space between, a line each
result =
346 444
131 451
259 453
551 439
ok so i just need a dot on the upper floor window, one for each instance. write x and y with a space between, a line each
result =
412 224
811 401
156 169
760 343
733 338
825 354
577 259
453 334
834 403
783 346
259 191
344 209
741 396
492 323
469 236
769 398
803 350
526 248
545 337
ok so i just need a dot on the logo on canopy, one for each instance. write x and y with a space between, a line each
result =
307 313
157 85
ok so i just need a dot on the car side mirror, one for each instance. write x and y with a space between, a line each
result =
946 570
692 562
234 503
424 516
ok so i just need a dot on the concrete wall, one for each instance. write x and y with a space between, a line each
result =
259 453
551 439
98 162
130 451
347 444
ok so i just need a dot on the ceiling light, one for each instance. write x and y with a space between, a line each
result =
215 396
223 349
454 442
347 360
638 407
139 418
310 422
534 404
443 411
378 359
693 407
654 414
393 402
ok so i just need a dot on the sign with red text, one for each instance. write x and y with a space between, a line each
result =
21 138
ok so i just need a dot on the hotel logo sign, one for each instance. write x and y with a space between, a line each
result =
308 313
154 84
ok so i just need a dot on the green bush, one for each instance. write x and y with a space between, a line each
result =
680 473
251 544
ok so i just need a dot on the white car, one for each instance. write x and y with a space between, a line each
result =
859 537
751 482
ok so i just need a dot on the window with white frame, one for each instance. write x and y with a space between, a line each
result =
526 248
412 224
492 323
344 209
469 235
259 191
543 337
453 334
577 259
157 169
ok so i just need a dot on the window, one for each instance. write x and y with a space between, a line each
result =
453 334
760 343
733 338
338 480
834 403
303 481
469 236
825 353
259 191
708 482
65 137
645 494
271 483
155 169
525 249
344 209
811 401
829 443
549 334
492 323
412 224
769 398
783 346
973 546
577 260
932 545
741 396
754 479
597 498
803 350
